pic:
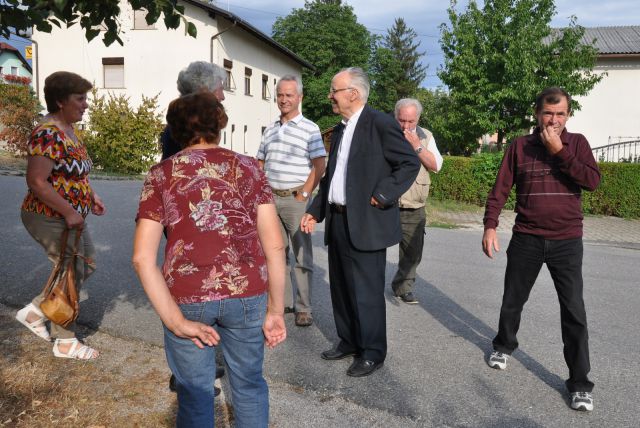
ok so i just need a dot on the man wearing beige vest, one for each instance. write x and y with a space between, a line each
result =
412 204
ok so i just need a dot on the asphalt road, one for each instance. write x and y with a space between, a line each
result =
434 375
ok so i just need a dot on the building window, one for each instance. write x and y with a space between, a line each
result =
14 71
140 20
244 140
265 87
247 81
1 70
228 83
275 90
113 72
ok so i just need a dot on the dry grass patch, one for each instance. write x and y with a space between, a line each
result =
126 386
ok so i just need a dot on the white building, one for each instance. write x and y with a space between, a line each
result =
149 62
610 113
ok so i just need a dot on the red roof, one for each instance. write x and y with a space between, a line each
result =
7 47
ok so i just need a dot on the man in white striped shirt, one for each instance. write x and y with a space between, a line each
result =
292 155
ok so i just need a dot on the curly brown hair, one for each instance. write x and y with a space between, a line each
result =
59 85
196 117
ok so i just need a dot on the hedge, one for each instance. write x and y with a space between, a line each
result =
469 180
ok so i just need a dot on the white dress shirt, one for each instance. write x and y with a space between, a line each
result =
337 188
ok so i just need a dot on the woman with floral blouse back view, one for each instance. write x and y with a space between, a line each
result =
222 280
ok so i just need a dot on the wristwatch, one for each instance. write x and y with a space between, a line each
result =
304 194
419 149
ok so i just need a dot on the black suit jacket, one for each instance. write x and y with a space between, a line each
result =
381 164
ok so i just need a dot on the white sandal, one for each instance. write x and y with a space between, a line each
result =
37 327
77 351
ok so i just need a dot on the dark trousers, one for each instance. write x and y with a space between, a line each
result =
525 256
357 293
412 222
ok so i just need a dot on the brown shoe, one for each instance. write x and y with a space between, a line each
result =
303 319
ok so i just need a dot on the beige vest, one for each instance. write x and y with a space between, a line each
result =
417 194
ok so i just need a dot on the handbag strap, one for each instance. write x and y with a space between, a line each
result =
63 245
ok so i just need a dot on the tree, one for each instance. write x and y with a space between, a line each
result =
497 59
121 139
327 34
445 122
19 109
400 74
20 16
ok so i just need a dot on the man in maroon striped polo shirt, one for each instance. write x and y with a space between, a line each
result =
549 168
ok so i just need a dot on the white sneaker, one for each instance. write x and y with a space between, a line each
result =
498 360
582 401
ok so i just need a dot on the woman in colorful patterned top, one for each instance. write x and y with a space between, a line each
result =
59 197
224 264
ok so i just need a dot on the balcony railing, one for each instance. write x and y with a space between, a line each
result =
624 151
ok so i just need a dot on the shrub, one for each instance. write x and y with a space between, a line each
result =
121 139
19 111
618 193
469 180
455 181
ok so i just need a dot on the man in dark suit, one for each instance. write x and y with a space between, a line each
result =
370 166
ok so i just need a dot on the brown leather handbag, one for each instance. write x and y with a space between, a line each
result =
60 304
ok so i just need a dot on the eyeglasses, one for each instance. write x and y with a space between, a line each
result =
333 91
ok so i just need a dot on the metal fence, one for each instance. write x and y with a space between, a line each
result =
624 151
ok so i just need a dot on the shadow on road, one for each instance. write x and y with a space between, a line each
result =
464 324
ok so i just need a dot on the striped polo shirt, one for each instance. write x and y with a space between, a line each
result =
287 151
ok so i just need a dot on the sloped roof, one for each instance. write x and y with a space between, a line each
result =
8 47
236 20
614 40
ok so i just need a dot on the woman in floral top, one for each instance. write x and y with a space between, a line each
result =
223 264
60 197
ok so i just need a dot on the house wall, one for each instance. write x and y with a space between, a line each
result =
252 111
9 59
610 113
153 59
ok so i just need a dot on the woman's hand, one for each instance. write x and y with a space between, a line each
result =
97 207
74 220
199 333
274 329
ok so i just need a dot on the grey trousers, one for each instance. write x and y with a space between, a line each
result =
47 231
412 223
300 258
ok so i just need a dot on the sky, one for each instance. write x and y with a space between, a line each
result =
425 17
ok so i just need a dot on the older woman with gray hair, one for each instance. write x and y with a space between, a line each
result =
198 76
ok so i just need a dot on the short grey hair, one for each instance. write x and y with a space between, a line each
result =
360 81
200 75
291 78
408 102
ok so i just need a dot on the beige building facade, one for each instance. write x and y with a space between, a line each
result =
148 63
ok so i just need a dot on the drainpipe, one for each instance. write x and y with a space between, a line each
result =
215 36
37 68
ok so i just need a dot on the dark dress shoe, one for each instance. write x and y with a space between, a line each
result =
336 354
362 367
409 298
303 319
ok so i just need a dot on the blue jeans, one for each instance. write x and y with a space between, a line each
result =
239 323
